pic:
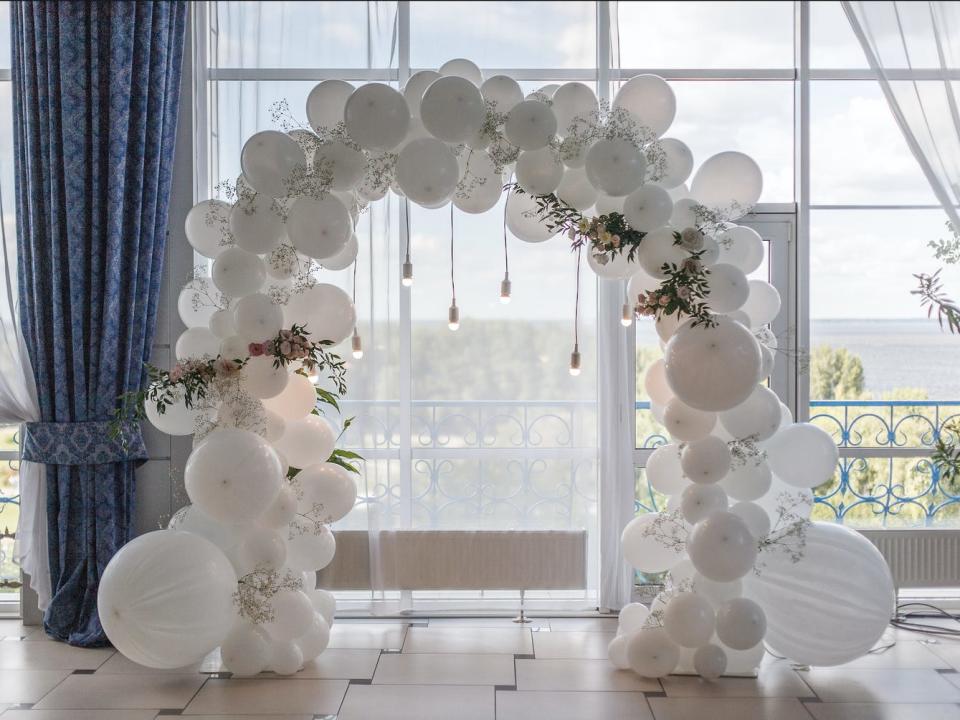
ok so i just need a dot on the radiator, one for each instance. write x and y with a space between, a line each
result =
920 558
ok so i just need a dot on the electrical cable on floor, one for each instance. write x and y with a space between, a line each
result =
904 620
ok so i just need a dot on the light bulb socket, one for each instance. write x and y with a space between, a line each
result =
357 345
453 316
626 315
575 361
407 274
505 287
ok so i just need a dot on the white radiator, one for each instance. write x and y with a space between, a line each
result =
920 558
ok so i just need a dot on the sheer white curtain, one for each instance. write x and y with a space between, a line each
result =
18 404
906 36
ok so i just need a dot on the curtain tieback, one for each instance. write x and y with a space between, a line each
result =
81 443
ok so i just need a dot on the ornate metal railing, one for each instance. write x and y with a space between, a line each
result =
884 477
9 512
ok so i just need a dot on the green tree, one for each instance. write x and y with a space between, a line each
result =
835 374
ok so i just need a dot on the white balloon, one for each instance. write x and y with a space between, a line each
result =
286 658
345 258
655 383
297 399
678 163
246 650
710 252
659 249
576 190
234 347
651 653
329 493
616 267
281 511
292 616
206 227
617 652
710 661
524 219
741 623
415 87
237 273
726 180
257 318
461 67
762 304
306 441
427 171
699 501
647 208
316 639
615 167
722 547
757 417
803 455
728 288
530 125
176 418
345 164
377 116
326 102
689 620
832 605
650 100
706 460
685 213
786 504
262 379
325 310
607 204
663 470
452 109
573 100
192 519
539 172
686 423
631 618
165 599
748 480
324 603
319 228
502 92
233 475
480 185
310 549
641 282
648 549
741 246
269 160
256 224
197 343
755 517
713 368
716 592
260 548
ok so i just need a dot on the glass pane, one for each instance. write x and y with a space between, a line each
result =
303 34
857 152
706 34
832 42
9 516
504 34
5 60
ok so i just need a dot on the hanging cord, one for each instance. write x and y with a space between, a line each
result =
506 254
453 285
406 217
576 304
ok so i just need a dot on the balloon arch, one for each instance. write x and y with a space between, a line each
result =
258 385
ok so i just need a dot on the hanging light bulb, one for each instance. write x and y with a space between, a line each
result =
356 344
575 361
505 289
453 317
406 277
626 315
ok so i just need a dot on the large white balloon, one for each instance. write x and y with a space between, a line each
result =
326 102
726 180
325 310
345 164
651 653
345 258
647 208
710 661
257 317
573 100
292 615
741 623
269 160
415 87
297 399
319 228
832 605
698 501
427 171
655 383
233 475
502 92
689 620
480 185
165 600
237 273
706 460
306 441
530 125
463 68
315 640
722 547
256 224
762 304
452 109
176 418
260 547
659 249
741 246
612 267
539 172
246 650
206 227
713 368
615 167
678 163
524 219
748 479
263 379
664 471
310 547
632 617
575 189
727 288
377 116
328 492
686 423
803 455
653 542
196 343
757 417
650 100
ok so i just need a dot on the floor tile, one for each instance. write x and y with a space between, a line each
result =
902 654
28 686
573 644
596 624
844 684
490 622
51 656
249 696
361 636
121 664
501 641
16 629
873 711
727 709
301 716
413 702
513 705
773 681
79 714
948 650
128 691
444 669
579 675
338 664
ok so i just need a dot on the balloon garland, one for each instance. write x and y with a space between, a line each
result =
744 563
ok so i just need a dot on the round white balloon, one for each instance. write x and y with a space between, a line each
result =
269 160
650 100
452 109
728 180
207 227
237 273
530 125
376 116
325 310
803 455
427 171
326 102
722 547
319 228
615 167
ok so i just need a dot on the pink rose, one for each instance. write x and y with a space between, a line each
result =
683 292
285 348
177 373
255 349
227 367
664 301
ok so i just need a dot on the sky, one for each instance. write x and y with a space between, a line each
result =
861 261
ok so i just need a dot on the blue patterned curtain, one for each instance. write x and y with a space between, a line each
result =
96 87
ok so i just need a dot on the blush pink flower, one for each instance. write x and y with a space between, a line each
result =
256 349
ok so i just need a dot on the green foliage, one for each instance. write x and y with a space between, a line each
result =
835 374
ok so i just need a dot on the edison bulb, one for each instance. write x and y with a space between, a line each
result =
505 287
453 317
626 315
407 277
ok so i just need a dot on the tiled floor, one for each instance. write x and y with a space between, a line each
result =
472 669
